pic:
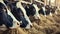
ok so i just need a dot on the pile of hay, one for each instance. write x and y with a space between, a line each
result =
46 25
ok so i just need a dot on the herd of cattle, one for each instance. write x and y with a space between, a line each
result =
14 14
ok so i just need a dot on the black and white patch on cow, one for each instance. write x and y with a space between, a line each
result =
31 9
54 10
37 16
50 14
42 11
41 5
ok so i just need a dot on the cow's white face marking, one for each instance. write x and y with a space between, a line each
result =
45 15
50 14
15 25
44 11
37 16
24 12
55 12
43 8
28 26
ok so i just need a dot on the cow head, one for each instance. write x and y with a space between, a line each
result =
7 20
25 23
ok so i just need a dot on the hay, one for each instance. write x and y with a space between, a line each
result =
46 25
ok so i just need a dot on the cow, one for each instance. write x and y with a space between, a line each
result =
44 9
5 19
54 8
34 6
37 9
41 7
31 9
48 10
20 15
51 10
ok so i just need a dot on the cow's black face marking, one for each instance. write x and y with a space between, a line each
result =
4 17
41 11
30 10
24 23
20 17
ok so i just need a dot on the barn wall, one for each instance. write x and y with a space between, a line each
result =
55 3
58 2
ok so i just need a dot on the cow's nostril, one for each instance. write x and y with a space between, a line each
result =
17 23
31 26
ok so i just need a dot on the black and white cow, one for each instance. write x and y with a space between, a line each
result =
54 8
45 10
6 18
31 9
50 10
42 11
41 7
20 15
37 16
